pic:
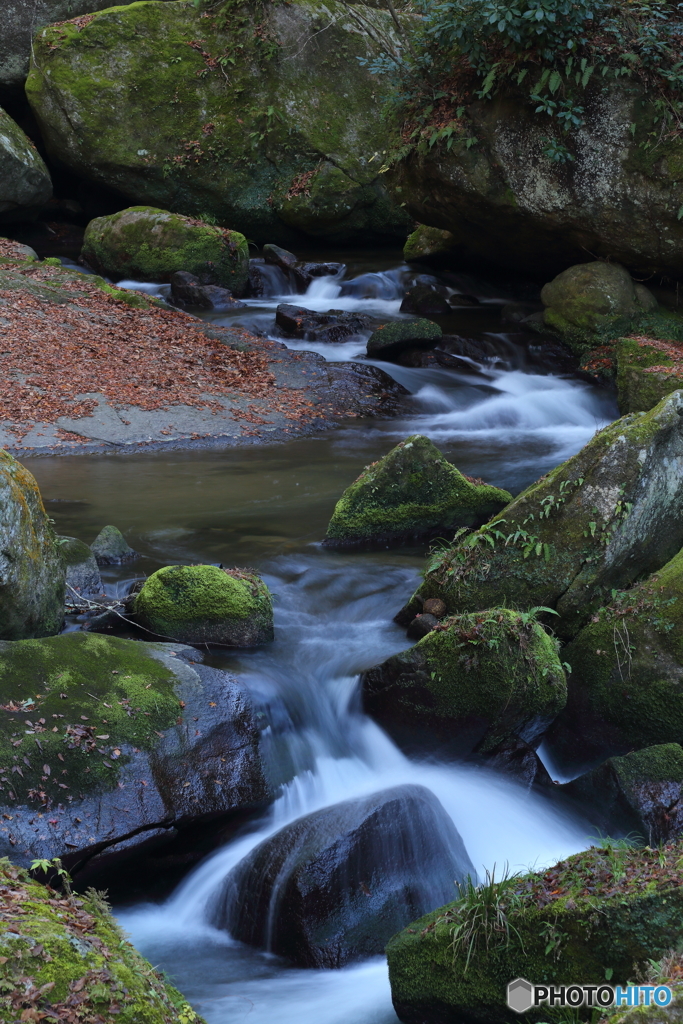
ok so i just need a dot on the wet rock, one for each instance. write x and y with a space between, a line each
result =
321 269
421 625
601 520
25 183
412 492
425 300
456 301
279 257
392 338
145 735
33 569
336 325
474 682
647 370
255 283
639 794
333 886
434 606
429 245
520 761
110 547
519 312
148 244
202 604
83 578
187 290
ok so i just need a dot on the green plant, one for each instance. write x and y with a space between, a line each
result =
481 918
54 865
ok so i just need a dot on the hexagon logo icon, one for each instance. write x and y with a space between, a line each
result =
520 995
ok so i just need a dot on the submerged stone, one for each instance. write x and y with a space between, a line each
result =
413 492
392 338
334 886
472 683
204 604
110 547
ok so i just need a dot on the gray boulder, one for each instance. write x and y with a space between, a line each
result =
83 578
110 547
25 182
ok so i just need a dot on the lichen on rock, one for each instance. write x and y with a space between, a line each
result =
25 183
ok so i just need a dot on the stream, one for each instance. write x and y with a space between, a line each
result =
266 507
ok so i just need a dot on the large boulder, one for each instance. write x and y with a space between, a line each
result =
475 682
261 119
412 492
57 952
647 369
598 913
150 245
204 604
505 201
32 569
627 666
334 886
103 740
25 182
605 518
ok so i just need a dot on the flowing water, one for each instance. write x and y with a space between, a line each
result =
508 420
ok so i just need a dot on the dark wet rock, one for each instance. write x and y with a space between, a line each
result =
425 300
519 312
334 886
145 736
26 183
110 547
187 290
83 580
519 761
392 338
204 604
474 682
321 269
421 625
279 257
255 283
336 325
640 793
411 492
456 301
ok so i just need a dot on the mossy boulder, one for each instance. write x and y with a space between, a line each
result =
412 492
600 913
262 119
103 739
83 580
110 547
474 682
391 339
32 569
625 688
647 370
149 245
202 604
428 245
25 182
64 954
639 794
602 520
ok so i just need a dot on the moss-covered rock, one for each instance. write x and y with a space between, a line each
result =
391 339
260 117
625 687
202 604
24 179
410 493
149 245
32 567
428 245
61 954
102 739
605 518
647 370
83 580
598 914
110 547
667 971
474 682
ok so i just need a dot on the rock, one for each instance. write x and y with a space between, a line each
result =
334 886
59 942
666 971
279 149
392 338
425 300
202 604
587 297
25 183
519 312
472 683
507 203
147 244
178 740
279 257
421 625
32 569
111 548
601 520
639 794
552 932
187 290
11 250
627 663
336 325
321 269
412 492
428 245
434 606
255 283
647 371
83 578
518 759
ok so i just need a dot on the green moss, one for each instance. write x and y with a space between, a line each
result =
113 688
61 951
392 337
639 388
593 916
427 243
